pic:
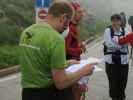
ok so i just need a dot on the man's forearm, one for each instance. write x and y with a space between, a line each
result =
64 80
73 78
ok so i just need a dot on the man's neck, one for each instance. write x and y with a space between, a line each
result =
51 23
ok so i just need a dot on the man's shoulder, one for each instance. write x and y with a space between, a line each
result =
31 27
38 27
58 38
43 32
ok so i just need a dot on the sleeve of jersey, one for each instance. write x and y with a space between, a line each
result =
58 57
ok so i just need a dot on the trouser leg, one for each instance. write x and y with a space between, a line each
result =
113 77
123 80
117 75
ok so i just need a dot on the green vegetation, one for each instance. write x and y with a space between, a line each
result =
8 55
16 15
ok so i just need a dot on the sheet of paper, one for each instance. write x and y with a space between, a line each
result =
85 79
76 67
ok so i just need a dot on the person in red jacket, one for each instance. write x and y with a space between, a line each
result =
74 47
126 39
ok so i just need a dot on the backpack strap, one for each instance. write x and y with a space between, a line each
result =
111 31
123 31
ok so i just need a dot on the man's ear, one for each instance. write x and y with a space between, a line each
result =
63 18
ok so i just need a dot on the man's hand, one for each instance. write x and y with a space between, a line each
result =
71 62
83 88
63 80
83 47
88 69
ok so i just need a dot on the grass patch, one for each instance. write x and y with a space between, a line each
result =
15 15
9 32
8 55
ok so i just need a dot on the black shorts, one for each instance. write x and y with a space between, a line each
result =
46 94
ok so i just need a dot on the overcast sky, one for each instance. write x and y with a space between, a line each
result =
103 7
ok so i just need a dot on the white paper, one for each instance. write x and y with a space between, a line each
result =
85 79
76 67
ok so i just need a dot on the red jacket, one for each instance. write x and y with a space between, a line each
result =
127 39
73 48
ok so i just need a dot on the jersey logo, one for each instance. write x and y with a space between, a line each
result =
28 37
